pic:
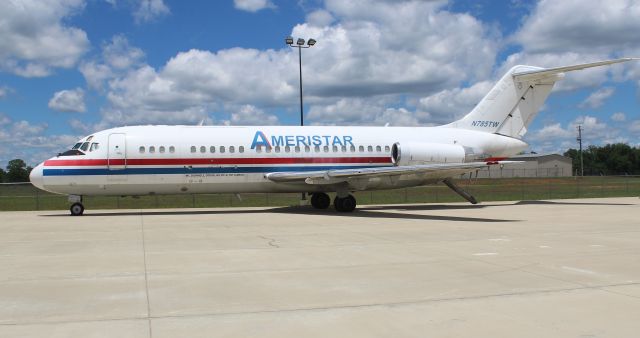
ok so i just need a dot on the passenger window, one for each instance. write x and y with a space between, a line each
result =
297 149
277 149
307 149
370 149
232 149
241 149
316 149
193 149
172 149
161 149
326 149
258 149
203 149
84 146
387 149
378 149
268 149
361 149
152 149
344 149
141 150
222 149
287 149
212 149
353 149
335 149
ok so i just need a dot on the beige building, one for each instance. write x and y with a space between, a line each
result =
532 165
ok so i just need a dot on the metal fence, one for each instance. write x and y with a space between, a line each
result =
24 196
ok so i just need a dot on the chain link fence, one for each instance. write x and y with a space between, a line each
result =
23 196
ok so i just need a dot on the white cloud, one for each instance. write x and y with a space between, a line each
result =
559 33
619 117
119 54
550 132
358 58
35 38
249 115
117 57
4 91
597 98
635 127
253 5
150 10
69 100
320 18
599 26
451 104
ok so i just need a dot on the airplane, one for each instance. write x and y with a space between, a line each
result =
161 159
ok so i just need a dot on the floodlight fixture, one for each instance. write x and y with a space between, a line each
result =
300 42
289 41
311 42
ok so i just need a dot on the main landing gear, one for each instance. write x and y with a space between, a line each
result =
345 204
320 200
77 209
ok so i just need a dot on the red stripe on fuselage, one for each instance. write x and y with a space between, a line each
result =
217 161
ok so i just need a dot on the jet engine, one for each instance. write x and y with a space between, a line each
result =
413 153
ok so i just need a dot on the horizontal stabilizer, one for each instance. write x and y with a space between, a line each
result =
542 73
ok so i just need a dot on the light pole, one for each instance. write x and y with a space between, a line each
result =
300 44
579 139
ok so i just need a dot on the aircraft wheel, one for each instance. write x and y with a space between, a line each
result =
346 204
76 209
320 200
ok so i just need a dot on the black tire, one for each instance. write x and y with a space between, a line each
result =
337 203
77 209
320 200
346 204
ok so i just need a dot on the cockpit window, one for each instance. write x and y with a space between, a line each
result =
77 145
71 152
84 146
94 146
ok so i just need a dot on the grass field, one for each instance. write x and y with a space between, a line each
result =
27 197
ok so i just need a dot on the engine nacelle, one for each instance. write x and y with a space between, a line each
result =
412 153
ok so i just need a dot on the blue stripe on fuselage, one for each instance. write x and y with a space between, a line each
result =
182 170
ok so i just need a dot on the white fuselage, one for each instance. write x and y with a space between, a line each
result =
143 160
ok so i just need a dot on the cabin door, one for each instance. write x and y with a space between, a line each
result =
117 156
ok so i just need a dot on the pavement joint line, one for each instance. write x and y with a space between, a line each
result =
146 277
343 307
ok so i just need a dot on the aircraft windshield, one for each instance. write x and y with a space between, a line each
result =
77 149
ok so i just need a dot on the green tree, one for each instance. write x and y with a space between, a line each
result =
611 159
17 171
2 175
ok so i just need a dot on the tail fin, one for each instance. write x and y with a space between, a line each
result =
516 99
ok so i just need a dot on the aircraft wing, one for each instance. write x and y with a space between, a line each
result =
434 171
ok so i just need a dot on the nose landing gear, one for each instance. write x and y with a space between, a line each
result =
77 209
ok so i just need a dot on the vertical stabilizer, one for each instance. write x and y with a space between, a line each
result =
516 99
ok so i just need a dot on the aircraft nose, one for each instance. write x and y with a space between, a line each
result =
36 177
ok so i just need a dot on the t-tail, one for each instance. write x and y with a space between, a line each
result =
515 100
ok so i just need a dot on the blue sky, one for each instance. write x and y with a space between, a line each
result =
71 67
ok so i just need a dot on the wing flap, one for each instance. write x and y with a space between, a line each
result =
440 170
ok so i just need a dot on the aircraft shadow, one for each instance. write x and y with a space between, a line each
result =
565 203
367 212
